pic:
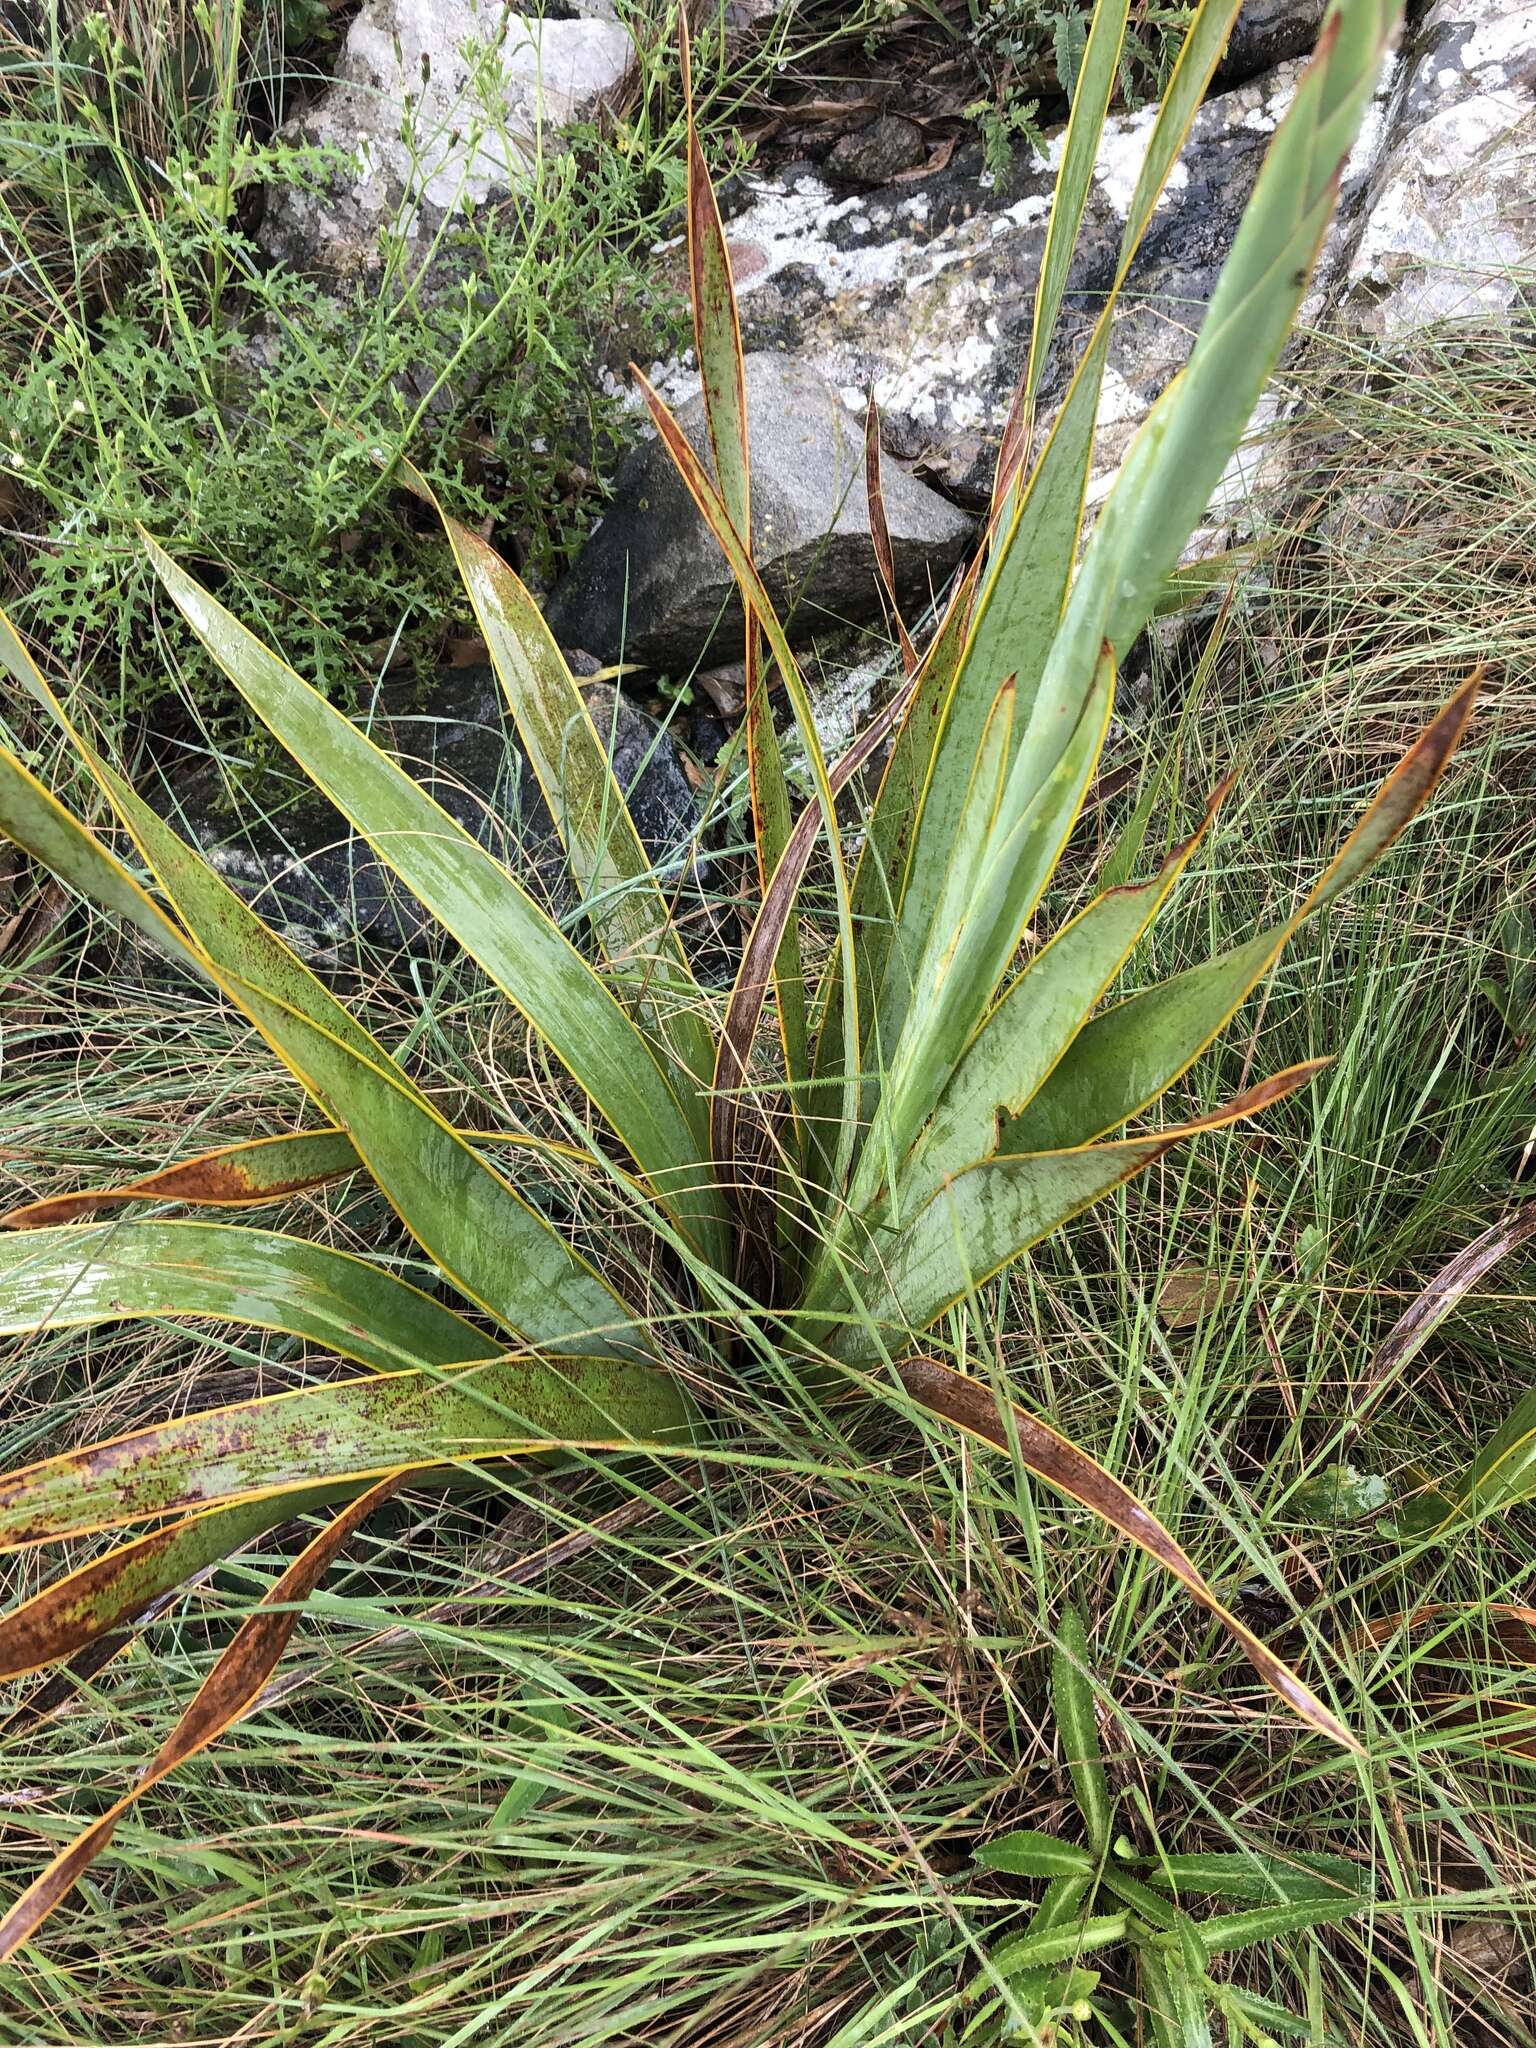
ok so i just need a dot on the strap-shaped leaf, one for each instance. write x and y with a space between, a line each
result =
1079 153
119 1587
1016 619
232 1685
738 554
774 913
880 876
982 1219
963 968
629 913
1178 457
84 1274
1034 1023
490 1243
973 1407
1126 1057
473 896
1186 441
36 821
620 893
245 945
722 376
240 1176
338 1432
500 1251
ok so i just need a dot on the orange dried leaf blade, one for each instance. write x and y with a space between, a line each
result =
973 1407
236 1176
226 1693
122 1585
880 532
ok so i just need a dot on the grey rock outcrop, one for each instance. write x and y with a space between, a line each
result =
925 292
652 586
1444 224
477 90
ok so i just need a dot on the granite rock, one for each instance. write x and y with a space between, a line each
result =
1444 226
480 88
652 586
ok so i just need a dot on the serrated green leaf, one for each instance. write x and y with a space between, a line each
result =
1224 1933
1077 1724
1027 1852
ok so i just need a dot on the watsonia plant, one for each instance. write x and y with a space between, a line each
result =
946 1105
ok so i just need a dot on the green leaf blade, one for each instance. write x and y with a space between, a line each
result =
342 1432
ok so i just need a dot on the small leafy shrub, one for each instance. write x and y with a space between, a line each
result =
706 1194
161 371
1033 49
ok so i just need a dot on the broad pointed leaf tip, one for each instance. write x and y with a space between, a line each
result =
972 1406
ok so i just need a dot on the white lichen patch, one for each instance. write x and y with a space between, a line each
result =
1448 230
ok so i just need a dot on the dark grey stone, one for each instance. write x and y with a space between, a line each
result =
652 586
1267 33
876 154
296 860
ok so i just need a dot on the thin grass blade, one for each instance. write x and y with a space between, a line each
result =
880 534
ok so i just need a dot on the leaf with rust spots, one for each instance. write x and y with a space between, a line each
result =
237 1176
338 1432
